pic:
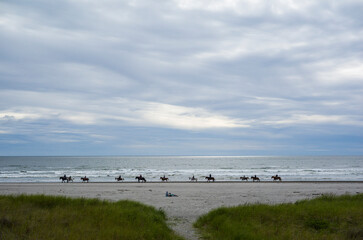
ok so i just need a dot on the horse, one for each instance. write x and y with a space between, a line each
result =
63 179
140 178
119 178
70 179
193 179
210 178
255 178
84 179
164 179
244 178
276 178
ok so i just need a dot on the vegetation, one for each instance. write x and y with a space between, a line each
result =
327 217
47 217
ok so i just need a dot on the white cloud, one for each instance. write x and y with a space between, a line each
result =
313 119
108 111
340 72
246 7
8 115
187 118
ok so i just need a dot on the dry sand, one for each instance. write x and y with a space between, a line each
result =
194 199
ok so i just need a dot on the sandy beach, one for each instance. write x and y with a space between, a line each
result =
194 199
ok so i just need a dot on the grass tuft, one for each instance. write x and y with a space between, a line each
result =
50 217
326 217
317 224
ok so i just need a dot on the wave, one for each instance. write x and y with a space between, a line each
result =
181 168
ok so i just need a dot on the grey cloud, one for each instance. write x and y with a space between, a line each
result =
255 63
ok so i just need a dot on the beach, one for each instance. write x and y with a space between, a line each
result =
193 199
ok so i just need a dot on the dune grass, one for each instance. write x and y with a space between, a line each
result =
326 217
48 217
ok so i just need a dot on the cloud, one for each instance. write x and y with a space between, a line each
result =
238 70
297 119
344 72
108 111
188 118
247 8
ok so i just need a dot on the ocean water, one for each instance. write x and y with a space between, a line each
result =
180 168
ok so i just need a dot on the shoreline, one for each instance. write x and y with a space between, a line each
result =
186 182
194 199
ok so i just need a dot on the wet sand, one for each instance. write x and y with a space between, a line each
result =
194 199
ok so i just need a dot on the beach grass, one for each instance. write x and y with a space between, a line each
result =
50 217
326 217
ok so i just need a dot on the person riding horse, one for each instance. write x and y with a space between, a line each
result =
193 178
85 179
164 178
119 178
277 177
209 178
64 178
255 178
140 178
244 178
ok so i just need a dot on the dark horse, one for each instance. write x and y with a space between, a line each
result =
244 178
164 178
63 179
255 178
68 179
277 177
210 178
119 178
84 179
140 179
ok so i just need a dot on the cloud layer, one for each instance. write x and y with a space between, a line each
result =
181 77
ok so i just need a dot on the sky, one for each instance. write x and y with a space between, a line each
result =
181 77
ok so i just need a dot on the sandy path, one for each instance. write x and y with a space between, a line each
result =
194 199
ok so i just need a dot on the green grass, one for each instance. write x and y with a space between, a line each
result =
327 217
48 217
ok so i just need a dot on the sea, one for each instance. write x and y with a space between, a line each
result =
180 168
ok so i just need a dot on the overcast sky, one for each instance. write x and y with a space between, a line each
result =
181 77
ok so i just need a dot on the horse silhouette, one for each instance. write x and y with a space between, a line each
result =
140 179
68 179
85 179
255 178
210 178
164 179
276 178
119 178
244 178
